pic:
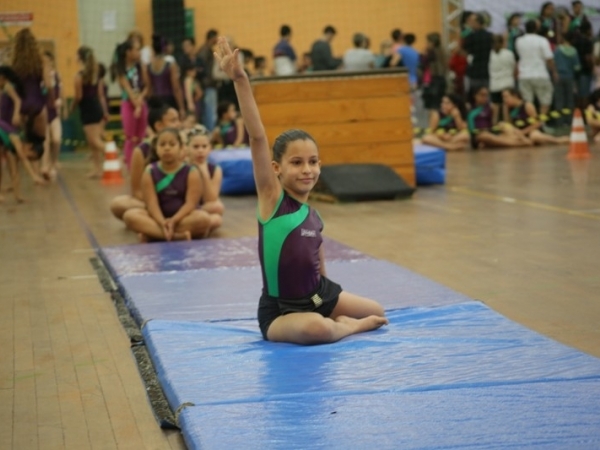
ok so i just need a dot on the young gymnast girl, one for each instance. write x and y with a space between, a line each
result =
448 126
198 144
480 121
54 134
592 114
299 303
89 95
524 117
133 79
35 77
160 117
11 93
230 130
163 77
171 191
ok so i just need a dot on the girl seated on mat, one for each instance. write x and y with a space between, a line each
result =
480 120
448 129
230 131
199 147
299 303
525 119
171 190
592 115
160 117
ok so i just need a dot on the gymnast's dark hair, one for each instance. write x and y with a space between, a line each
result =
118 66
459 103
156 112
158 44
281 142
13 78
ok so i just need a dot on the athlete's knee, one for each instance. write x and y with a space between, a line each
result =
318 330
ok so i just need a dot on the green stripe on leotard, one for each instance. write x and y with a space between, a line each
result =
472 116
445 121
275 232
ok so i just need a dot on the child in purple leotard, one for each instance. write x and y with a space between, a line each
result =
199 147
35 78
89 96
486 134
160 117
54 107
163 77
524 117
299 303
11 92
171 190
230 131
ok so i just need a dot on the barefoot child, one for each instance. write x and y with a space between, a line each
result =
11 90
524 117
89 95
160 117
484 134
299 304
171 191
592 115
448 126
199 147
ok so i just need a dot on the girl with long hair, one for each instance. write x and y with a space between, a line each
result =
133 79
89 95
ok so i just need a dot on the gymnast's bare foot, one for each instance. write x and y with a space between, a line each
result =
366 324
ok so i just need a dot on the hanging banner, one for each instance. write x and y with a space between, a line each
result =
499 11
16 19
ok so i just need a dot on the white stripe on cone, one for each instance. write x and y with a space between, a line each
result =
112 147
111 166
579 136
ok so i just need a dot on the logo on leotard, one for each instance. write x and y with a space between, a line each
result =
308 233
318 301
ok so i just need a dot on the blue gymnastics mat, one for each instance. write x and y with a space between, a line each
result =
430 165
201 254
233 292
455 376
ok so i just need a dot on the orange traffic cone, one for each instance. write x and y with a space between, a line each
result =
112 165
579 147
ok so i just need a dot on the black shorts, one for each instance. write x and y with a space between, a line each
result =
90 111
497 97
322 301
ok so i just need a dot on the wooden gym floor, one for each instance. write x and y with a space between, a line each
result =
518 230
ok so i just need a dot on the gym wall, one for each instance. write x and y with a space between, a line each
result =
255 24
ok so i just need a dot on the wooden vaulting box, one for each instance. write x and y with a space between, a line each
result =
355 117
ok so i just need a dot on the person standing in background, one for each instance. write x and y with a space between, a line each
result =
435 71
536 60
502 75
478 45
575 21
359 58
410 59
568 66
396 39
209 84
284 56
320 54
513 31
549 26
584 44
